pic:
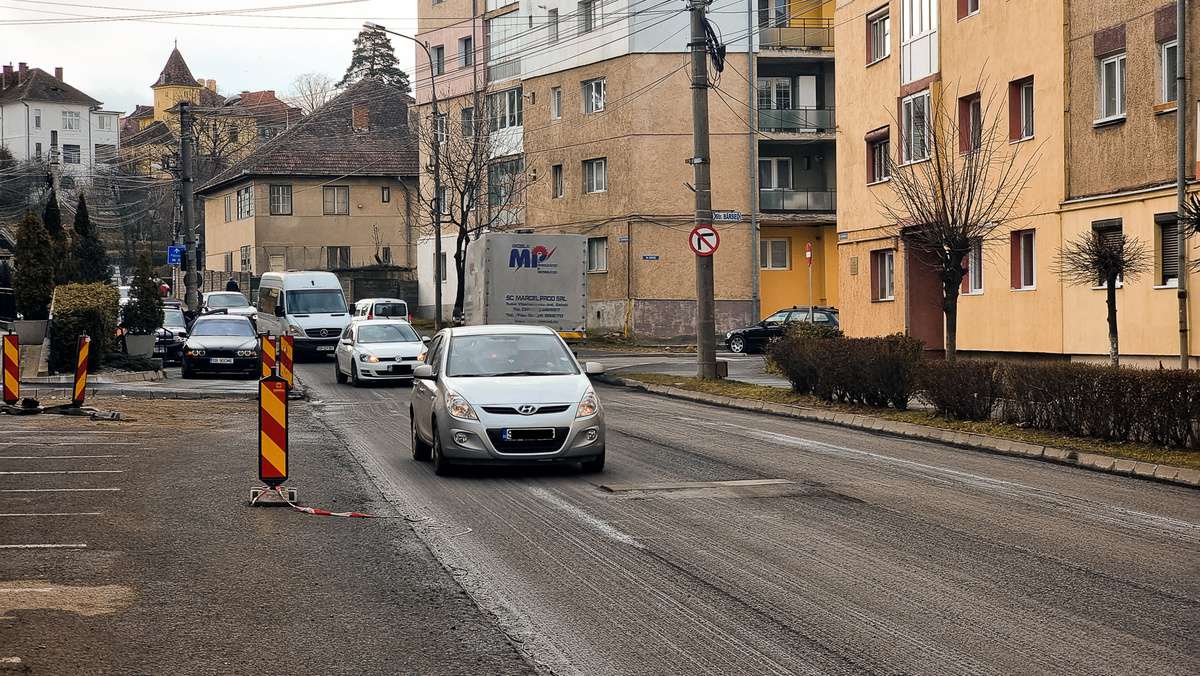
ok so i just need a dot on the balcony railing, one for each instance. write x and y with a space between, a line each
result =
771 199
796 119
504 70
792 33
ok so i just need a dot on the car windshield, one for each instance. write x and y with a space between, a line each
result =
219 300
509 355
316 301
173 317
218 327
387 333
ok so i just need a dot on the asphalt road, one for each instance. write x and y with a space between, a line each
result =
870 555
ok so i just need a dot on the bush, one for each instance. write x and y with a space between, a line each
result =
143 314
871 371
792 354
966 390
33 284
81 309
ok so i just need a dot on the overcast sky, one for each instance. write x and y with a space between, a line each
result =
117 61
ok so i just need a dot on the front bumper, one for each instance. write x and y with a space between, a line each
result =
205 365
387 370
168 351
482 441
317 345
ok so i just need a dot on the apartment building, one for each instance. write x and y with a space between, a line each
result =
590 102
1104 163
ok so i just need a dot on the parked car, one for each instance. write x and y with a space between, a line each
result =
221 344
232 302
170 337
309 306
376 308
377 350
755 338
503 395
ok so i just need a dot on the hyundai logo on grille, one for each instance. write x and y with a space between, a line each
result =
527 409
324 333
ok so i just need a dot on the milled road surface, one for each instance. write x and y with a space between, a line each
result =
878 555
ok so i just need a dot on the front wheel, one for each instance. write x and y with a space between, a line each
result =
737 344
354 380
337 372
186 371
594 465
441 466
420 449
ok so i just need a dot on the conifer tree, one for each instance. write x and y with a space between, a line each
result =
90 256
33 284
374 56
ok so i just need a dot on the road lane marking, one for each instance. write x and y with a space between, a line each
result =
72 471
57 457
55 514
603 527
44 546
56 490
683 485
63 443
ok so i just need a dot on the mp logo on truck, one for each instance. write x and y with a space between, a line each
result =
522 256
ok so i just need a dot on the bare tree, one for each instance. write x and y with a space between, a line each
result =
1103 258
959 184
311 91
484 179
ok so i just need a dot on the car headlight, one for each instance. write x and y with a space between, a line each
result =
295 331
246 353
588 406
458 407
369 358
728 335
195 353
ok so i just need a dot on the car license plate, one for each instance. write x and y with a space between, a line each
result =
402 369
530 434
221 360
324 348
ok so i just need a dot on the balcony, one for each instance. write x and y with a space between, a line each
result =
795 33
796 120
820 201
503 70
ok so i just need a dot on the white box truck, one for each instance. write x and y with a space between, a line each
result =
533 279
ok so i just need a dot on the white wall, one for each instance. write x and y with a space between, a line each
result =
23 144
425 271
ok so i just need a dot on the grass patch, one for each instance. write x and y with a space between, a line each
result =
730 388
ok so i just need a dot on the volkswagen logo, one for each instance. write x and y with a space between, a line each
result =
324 333
527 409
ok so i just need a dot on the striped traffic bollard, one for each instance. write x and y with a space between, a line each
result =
267 355
12 370
286 350
81 371
272 430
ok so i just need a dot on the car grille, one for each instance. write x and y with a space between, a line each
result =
527 445
511 410
329 333
219 353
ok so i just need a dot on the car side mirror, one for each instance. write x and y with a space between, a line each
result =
423 372
425 339
279 310
345 341
593 368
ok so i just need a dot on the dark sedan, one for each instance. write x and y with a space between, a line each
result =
221 344
169 339
755 338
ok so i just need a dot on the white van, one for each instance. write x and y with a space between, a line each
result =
309 306
381 308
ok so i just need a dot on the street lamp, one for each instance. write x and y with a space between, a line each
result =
437 177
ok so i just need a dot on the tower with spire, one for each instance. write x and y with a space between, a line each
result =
174 84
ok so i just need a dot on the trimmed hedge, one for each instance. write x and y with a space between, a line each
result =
870 371
967 390
82 309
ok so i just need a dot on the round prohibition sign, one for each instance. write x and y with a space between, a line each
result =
704 240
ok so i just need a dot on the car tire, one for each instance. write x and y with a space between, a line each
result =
186 372
594 465
441 466
737 344
354 380
337 372
420 449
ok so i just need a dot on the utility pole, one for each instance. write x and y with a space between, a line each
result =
187 202
706 329
1182 104
752 164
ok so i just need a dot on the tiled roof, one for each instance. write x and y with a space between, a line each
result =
266 107
42 86
141 111
210 98
176 72
154 133
326 143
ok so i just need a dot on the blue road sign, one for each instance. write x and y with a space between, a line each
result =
175 255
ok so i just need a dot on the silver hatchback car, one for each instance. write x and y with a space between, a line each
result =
505 395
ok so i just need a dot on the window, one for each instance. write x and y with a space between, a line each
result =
70 154
920 18
774 254
1023 260
552 25
1020 109
438 58
879 35
106 152
774 173
468 122
228 208
385 193
1168 249
597 252
228 261
466 52
337 257
335 200
1112 87
594 94
245 202
245 259
883 274
37 150
503 178
556 103
445 201
880 160
967 8
915 130
557 181
104 122
504 109
70 120
1170 85
774 93
973 262
37 118
280 198
442 266
772 13
385 255
595 175
970 123
587 16
439 128
1110 234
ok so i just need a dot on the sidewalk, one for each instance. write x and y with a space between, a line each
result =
746 368
167 570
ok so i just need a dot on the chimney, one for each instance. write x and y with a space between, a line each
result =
360 117
211 85
8 79
22 72
58 72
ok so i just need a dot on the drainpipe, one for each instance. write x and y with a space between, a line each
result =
28 132
752 162
1181 168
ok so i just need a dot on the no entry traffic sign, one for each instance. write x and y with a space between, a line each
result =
704 240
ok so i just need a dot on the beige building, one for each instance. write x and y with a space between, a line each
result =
1100 152
336 191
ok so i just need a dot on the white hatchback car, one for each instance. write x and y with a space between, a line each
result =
377 350
505 395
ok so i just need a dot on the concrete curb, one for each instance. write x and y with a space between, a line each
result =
98 378
1095 462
